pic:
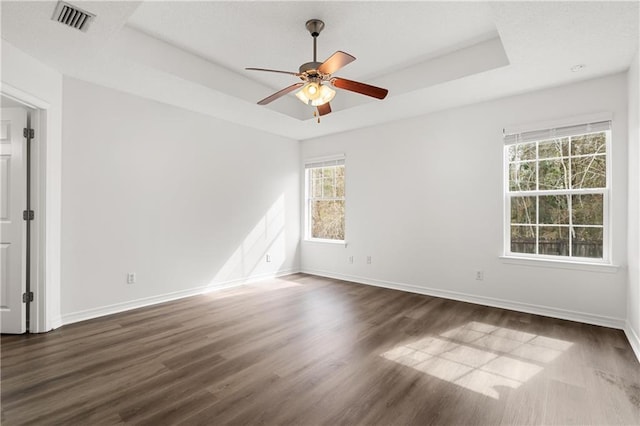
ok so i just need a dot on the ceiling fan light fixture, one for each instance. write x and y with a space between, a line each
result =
315 94
312 90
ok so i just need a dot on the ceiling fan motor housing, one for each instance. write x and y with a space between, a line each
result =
309 66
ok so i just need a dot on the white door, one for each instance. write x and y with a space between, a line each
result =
13 231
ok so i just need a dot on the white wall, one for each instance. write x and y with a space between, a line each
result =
425 200
186 201
633 298
41 86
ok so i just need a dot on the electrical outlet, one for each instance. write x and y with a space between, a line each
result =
268 258
350 259
479 275
369 259
131 278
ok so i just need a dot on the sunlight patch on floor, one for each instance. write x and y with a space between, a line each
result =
480 357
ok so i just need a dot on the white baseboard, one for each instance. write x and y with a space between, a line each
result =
604 321
55 323
633 338
600 320
84 315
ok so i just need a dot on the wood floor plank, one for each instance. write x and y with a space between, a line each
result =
305 350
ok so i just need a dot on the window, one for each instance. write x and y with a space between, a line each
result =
557 192
325 200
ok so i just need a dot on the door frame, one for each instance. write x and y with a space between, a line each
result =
37 110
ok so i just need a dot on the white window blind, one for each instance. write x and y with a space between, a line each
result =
557 132
329 162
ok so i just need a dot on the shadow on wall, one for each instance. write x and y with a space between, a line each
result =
262 252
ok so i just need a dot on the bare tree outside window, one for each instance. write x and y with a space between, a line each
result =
556 193
325 203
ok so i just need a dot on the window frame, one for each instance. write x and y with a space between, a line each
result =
315 163
605 192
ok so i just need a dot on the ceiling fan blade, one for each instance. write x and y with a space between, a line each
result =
280 93
324 109
335 62
278 71
363 89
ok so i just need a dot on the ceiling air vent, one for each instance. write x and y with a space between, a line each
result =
72 16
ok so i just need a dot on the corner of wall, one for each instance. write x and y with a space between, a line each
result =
632 328
633 338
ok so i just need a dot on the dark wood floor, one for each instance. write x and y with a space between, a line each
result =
305 350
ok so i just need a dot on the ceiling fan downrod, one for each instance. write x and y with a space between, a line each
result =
315 26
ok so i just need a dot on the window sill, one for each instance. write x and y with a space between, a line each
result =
560 264
329 242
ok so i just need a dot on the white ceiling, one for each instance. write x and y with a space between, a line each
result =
385 37
430 55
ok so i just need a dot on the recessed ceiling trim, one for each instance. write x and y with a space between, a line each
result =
72 16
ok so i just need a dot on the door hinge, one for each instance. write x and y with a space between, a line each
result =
28 215
29 133
27 297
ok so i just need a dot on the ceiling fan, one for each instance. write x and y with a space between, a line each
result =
314 75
